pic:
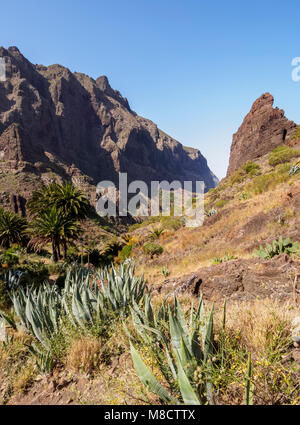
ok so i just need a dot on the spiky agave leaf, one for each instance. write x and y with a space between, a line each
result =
149 380
188 393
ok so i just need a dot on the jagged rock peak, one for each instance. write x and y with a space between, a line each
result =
263 129
103 83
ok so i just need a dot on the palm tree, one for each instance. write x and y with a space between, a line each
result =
12 228
41 199
64 197
52 226
70 200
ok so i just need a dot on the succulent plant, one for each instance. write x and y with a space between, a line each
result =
210 212
85 300
282 246
294 170
180 344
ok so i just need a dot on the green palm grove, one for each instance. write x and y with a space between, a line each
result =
55 212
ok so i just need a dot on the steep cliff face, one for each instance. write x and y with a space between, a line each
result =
74 125
263 129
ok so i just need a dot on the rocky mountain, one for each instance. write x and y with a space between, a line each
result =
56 121
263 129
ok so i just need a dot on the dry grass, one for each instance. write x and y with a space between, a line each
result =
84 355
261 328
24 378
258 320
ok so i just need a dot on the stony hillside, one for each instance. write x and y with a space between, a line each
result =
57 123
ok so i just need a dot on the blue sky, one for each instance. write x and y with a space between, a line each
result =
194 67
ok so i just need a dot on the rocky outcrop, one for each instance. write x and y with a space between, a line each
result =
73 124
263 129
241 280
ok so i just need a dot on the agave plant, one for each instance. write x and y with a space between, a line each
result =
38 311
294 170
210 212
13 278
43 361
84 300
282 246
90 301
179 346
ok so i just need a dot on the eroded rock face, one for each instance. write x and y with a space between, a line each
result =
263 129
49 115
240 280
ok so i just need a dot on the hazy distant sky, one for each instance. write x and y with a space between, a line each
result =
194 67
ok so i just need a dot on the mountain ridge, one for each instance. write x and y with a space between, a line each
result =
51 118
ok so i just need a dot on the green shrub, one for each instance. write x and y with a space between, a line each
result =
296 135
282 154
5 301
251 168
238 176
152 249
125 252
220 203
110 251
244 196
214 193
172 223
283 168
35 273
266 182
72 254
9 257
282 246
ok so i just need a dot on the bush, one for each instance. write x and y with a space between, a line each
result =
244 196
282 154
152 249
251 168
238 176
296 135
5 301
172 223
267 181
124 253
220 203
283 168
9 257
35 273
215 193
